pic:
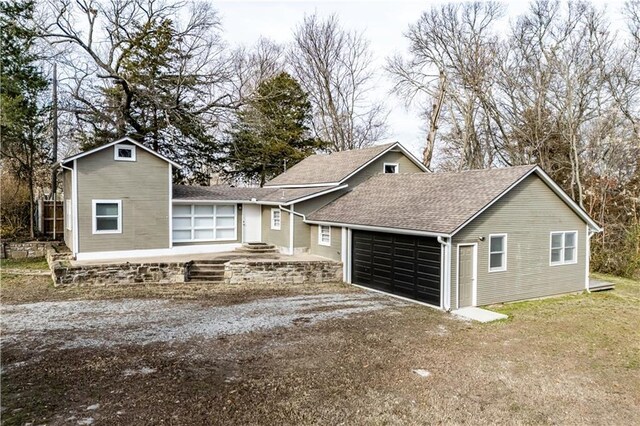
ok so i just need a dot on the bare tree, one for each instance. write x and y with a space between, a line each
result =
455 43
255 64
334 67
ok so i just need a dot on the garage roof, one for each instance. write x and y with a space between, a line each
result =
440 203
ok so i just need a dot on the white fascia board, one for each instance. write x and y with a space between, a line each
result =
212 201
554 187
303 185
317 194
110 144
378 228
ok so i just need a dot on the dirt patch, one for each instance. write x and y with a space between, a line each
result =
569 360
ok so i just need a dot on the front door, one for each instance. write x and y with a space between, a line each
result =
251 223
466 275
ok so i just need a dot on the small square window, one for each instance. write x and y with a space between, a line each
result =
276 219
324 235
124 152
391 167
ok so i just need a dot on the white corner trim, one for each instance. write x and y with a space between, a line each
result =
76 209
174 251
119 146
503 268
344 253
170 205
94 218
291 228
587 262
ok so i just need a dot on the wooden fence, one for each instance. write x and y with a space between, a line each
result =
51 218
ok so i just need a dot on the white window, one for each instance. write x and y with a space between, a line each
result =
324 235
563 248
391 167
107 216
124 152
276 219
204 222
497 252
68 215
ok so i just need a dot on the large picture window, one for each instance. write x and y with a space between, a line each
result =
204 222
563 248
107 216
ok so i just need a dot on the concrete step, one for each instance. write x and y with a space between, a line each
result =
210 262
270 250
206 277
204 270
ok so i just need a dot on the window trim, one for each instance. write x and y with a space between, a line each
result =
117 146
94 218
575 248
273 225
502 268
193 228
384 168
320 242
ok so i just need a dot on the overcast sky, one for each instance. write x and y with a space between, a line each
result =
383 23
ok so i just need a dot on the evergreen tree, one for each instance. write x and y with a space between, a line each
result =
271 132
22 118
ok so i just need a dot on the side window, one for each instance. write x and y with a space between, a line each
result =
276 219
107 216
324 235
563 248
497 252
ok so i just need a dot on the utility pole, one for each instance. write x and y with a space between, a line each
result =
54 115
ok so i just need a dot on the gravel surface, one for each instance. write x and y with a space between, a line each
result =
100 323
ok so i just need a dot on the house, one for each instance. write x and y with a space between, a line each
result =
446 239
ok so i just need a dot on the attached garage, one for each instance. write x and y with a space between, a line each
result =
405 265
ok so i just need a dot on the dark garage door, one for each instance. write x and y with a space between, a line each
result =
405 265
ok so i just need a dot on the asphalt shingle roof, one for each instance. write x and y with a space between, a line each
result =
430 202
328 168
228 193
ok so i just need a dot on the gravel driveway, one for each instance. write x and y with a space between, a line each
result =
105 323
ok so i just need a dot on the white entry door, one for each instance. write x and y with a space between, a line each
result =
251 223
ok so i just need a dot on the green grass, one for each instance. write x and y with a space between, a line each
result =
37 263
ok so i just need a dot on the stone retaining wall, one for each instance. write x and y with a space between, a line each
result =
15 250
282 272
114 274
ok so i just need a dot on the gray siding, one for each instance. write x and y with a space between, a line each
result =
143 187
528 213
334 251
271 236
67 193
300 233
405 164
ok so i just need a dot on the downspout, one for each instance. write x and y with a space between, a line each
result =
291 224
587 259
74 228
446 274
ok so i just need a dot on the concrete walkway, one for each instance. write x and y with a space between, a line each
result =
478 314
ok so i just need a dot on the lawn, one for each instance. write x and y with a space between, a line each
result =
569 360
36 263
